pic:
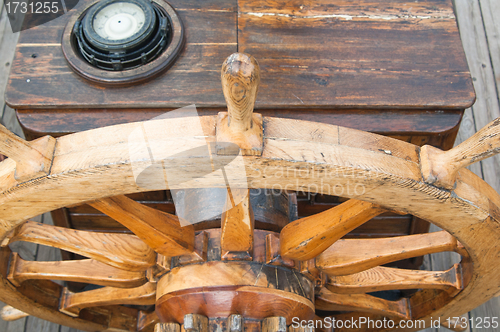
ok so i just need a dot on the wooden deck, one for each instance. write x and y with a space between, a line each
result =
480 34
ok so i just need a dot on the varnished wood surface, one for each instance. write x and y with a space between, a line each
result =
382 53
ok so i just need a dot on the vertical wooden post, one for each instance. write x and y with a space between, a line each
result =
237 223
240 77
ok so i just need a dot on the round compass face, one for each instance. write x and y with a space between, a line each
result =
119 25
122 42
119 20
122 34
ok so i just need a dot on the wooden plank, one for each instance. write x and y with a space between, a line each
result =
8 41
18 325
3 324
490 9
387 122
467 129
479 32
10 121
372 53
384 56
44 253
486 107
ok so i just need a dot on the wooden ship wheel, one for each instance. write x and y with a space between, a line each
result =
168 275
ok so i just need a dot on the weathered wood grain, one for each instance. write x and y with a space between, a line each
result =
353 255
430 124
486 107
274 324
489 11
8 40
371 48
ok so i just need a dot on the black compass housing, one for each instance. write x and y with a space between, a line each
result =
123 54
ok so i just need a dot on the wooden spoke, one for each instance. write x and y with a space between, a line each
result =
354 255
385 278
329 301
72 303
119 250
86 271
237 225
308 237
160 230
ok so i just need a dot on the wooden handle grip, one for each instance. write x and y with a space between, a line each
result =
240 77
441 167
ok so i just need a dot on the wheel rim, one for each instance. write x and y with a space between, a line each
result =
337 157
